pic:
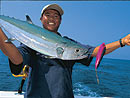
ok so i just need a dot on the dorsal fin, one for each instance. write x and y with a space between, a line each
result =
28 19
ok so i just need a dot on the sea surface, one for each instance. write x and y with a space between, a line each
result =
113 74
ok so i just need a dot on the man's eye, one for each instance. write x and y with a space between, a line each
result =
47 14
56 16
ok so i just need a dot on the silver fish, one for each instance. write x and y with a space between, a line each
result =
42 40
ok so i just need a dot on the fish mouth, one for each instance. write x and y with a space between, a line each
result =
84 54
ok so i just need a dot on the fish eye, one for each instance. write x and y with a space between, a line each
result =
77 50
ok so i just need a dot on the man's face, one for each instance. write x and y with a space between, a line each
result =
51 20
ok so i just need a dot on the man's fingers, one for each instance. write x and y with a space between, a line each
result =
128 41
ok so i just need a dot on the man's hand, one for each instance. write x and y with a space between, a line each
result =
126 40
113 46
9 49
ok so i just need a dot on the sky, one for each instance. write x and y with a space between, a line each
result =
88 22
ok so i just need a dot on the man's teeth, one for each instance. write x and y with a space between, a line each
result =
51 23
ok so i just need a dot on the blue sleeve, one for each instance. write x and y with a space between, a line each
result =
25 52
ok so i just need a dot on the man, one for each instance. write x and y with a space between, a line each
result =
49 78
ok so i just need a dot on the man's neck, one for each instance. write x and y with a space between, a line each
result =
58 33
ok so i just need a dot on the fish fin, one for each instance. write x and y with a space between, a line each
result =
9 40
60 51
28 19
50 57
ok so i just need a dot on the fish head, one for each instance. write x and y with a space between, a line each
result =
75 53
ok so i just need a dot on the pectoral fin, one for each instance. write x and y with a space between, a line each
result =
60 51
9 40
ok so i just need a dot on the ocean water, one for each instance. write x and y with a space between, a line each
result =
114 78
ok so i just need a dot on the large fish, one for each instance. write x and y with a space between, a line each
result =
42 40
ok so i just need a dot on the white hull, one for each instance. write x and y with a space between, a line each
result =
14 94
11 94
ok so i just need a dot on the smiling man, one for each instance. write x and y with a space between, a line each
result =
49 78
51 18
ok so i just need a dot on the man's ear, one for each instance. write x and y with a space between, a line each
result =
60 20
41 17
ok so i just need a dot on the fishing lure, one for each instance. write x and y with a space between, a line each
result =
100 54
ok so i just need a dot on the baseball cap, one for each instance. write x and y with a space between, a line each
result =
53 6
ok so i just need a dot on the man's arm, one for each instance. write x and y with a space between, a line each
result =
113 46
10 50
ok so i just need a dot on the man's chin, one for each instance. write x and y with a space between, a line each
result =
52 30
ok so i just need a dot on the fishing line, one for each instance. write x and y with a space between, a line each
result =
97 76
